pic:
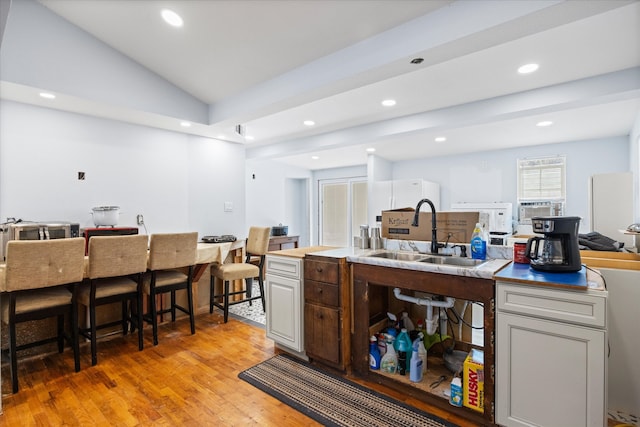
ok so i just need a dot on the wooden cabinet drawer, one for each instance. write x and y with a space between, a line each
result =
577 307
322 293
321 271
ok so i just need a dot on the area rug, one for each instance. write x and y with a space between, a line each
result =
330 399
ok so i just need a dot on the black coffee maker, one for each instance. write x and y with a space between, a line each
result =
558 250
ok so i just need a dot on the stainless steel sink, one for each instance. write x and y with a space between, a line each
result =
455 261
399 256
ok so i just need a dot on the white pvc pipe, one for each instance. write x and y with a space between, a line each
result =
447 303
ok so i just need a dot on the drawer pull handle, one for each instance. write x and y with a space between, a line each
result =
319 269
319 290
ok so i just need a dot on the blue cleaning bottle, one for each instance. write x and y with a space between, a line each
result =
374 353
415 373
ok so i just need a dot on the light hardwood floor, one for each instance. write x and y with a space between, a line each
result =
186 380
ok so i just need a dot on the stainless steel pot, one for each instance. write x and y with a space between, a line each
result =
105 215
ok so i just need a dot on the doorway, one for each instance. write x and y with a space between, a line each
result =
343 208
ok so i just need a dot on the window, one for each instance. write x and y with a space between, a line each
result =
542 179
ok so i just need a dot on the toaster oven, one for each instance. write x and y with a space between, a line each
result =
37 231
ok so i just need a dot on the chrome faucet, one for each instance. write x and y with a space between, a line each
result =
434 234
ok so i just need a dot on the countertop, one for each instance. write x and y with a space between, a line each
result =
523 273
482 271
300 252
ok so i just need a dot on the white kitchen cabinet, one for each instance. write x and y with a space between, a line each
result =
403 193
551 363
284 299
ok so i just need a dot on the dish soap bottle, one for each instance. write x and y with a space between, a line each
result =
374 353
478 243
389 362
415 374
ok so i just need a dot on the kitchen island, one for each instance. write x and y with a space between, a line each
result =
374 280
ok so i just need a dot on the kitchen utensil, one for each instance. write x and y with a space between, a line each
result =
439 381
105 215
364 236
375 240
634 228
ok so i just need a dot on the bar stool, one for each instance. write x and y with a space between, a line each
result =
116 264
168 253
257 245
41 281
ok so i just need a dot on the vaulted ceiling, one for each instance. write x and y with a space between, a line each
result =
267 66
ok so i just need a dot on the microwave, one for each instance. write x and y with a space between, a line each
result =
36 231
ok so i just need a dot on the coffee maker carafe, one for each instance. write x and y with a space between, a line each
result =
558 250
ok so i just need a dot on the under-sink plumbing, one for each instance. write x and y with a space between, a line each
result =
431 323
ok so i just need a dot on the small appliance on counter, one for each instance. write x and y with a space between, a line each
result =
219 239
27 230
558 250
279 230
496 218
87 233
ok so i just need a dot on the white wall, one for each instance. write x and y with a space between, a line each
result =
177 182
270 194
634 164
492 177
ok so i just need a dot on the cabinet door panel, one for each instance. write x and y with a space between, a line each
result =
283 316
549 373
321 330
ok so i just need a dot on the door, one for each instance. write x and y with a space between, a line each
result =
549 373
283 314
343 208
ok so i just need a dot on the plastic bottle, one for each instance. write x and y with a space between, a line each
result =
478 243
455 397
406 321
403 346
374 353
389 362
422 351
382 344
415 374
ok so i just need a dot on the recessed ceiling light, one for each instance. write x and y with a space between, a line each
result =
172 18
440 139
249 137
185 124
371 150
389 102
221 136
47 95
528 68
544 123
309 123
315 157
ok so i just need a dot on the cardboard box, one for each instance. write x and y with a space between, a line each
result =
457 227
473 380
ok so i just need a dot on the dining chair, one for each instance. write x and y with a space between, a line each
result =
172 257
257 246
41 278
116 265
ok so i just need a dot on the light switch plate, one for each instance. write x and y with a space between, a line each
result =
228 206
